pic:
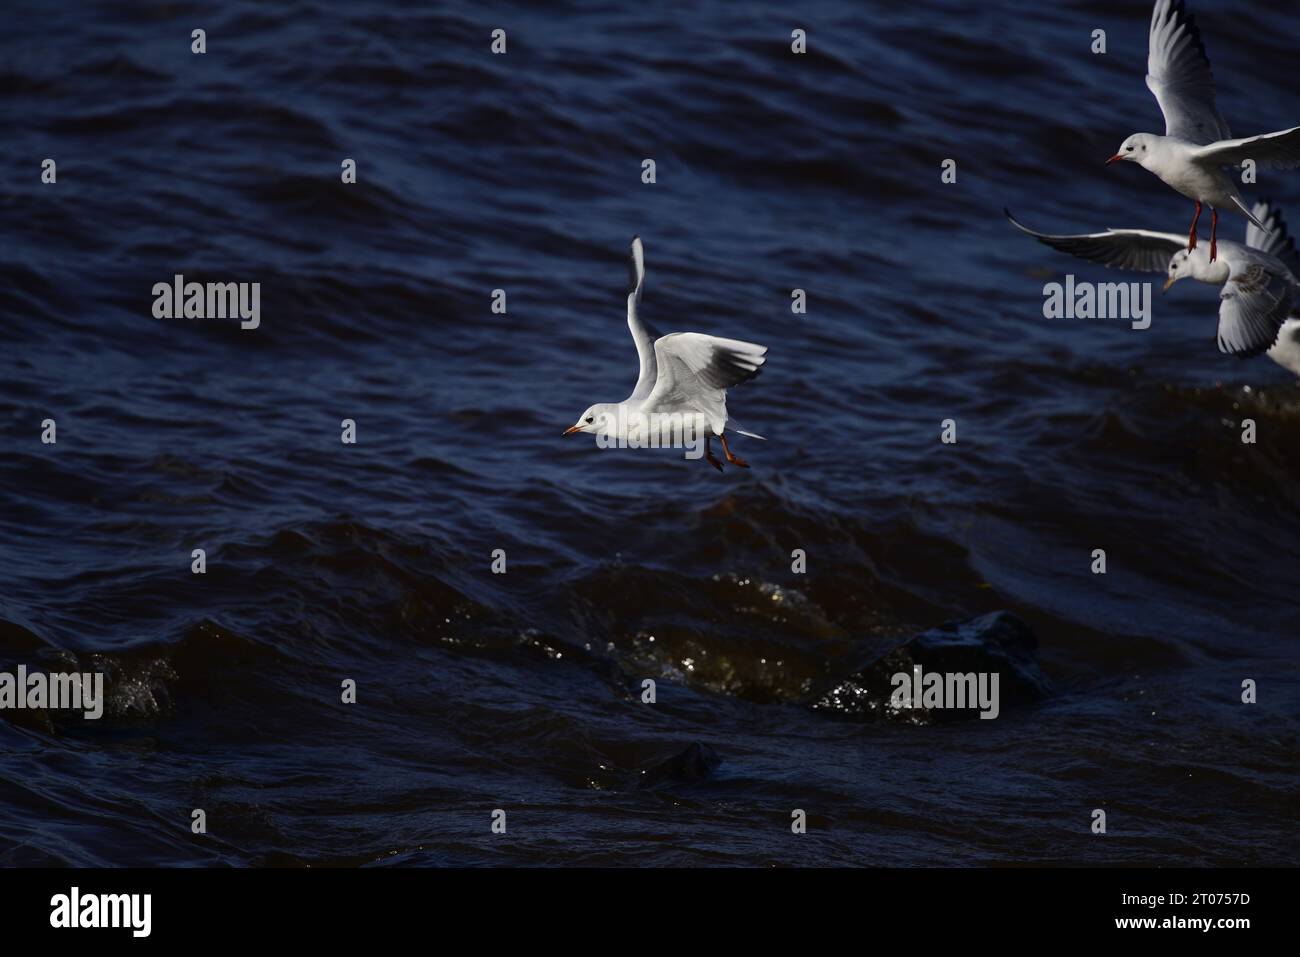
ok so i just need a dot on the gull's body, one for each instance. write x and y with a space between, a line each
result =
1259 307
681 388
1197 146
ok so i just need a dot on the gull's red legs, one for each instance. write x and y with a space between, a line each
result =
1214 235
708 452
1191 239
734 460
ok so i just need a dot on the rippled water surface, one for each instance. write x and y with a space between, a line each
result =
522 691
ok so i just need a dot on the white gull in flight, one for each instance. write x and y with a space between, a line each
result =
681 392
1259 306
1197 144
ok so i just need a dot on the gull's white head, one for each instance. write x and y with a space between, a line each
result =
1194 265
1180 267
1138 148
598 419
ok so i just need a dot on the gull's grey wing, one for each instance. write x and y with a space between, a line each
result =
1276 241
1178 73
1280 150
696 370
642 334
1256 300
1138 249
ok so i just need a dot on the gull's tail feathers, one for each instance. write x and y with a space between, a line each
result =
731 424
1249 215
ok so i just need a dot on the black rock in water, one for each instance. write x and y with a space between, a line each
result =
695 763
998 643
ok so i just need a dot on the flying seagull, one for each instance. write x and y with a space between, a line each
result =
1261 291
1197 144
681 392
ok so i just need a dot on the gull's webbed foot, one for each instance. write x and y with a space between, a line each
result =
708 454
733 459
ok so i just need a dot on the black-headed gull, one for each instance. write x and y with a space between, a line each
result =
1197 144
1259 279
681 392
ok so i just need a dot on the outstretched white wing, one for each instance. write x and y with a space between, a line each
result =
1178 73
695 371
1138 249
1280 149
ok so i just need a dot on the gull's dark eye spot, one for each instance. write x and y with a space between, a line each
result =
1130 149
591 418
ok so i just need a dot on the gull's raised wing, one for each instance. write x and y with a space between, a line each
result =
1178 73
1138 249
642 334
1274 240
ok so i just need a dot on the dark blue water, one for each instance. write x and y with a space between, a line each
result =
521 691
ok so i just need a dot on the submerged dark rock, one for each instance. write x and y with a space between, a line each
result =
695 763
962 653
133 684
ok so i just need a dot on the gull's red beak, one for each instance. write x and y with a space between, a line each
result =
573 428
1115 159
